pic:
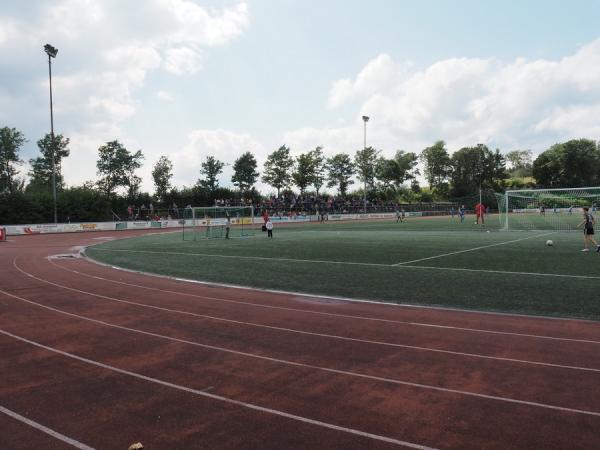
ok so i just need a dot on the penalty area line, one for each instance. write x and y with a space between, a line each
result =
402 265
470 249
504 272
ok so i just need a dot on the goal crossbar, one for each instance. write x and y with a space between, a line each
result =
545 209
202 222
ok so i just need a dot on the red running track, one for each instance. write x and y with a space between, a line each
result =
93 357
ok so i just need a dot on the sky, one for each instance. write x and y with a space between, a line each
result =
192 78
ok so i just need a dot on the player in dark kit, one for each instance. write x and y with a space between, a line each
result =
588 230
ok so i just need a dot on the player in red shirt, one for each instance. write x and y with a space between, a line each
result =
480 213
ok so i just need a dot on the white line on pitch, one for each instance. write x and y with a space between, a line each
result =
316 261
323 313
395 266
471 249
505 272
406 264
203 393
40 427
309 333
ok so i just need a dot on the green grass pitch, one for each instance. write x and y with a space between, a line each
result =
424 261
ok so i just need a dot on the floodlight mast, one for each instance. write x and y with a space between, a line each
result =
365 120
480 146
52 52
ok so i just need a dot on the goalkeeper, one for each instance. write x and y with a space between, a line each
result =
227 227
479 211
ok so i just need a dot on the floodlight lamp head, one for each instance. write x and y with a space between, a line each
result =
51 51
365 118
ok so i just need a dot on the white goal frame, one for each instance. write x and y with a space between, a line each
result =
550 202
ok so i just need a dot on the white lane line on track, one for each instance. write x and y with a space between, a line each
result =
44 429
325 369
327 314
308 333
203 393
471 249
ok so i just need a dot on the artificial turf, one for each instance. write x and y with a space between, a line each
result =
357 260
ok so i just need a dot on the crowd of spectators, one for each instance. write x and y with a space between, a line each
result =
143 212
288 204
293 204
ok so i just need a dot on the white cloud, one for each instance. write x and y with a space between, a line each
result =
80 166
520 103
196 24
380 74
135 58
107 50
164 95
333 140
183 61
8 31
118 55
563 120
224 145
69 19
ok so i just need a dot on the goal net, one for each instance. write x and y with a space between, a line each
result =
546 209
210 222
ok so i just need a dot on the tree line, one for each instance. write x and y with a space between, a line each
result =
574 163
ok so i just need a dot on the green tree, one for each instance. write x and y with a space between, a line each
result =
278 166
437 165
392 173
477 166
365 162
318 161
310 170
574 163
386 171
407 166
11 141
162 172
114 164
41 167
133 162
211 169
519 163
340 170
303 175
244 172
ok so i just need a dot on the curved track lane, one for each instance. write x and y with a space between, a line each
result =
108 357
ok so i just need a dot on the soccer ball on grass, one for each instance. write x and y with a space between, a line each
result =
549 243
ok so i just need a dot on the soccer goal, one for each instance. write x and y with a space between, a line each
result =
546 209
210 222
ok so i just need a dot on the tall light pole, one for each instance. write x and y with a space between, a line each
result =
480 147
365 120
51 52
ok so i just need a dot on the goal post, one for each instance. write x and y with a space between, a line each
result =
210 222
545 209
